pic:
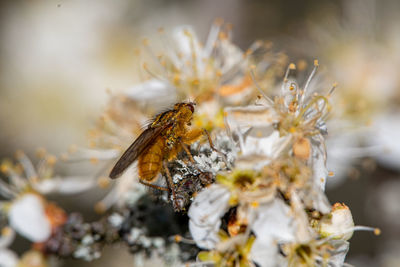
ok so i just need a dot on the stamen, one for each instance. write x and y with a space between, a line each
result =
212 38
332 89
8 191
291 67
181 239
27 166
269 100
316 64
152 74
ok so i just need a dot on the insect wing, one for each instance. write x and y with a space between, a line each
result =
132 153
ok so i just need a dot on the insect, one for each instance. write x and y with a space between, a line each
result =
159 143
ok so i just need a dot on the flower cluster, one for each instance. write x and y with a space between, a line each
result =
251 192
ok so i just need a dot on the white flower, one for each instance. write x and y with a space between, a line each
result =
294 122
26 208
40 178
27 216
217 70
211 204
195 70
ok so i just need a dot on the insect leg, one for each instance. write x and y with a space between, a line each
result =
170 182
184 146
213 147
153 186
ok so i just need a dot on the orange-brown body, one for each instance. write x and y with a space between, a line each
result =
150 162
165 147
164 138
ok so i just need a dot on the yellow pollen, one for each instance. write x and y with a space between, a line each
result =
72 148
292 130
316 63
338 206
315 214
255 204
92 134
331 174
103 182
99 207
178 238
145 42
222 36
4 168
92 144
302 64
34 179
176 78
247 53
51 160
137 51
187 33
6 231
377 231
292 66
94 160
41 152
219 21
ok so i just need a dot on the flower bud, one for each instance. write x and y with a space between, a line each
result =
340 224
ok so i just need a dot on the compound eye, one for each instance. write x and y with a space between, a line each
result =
191 106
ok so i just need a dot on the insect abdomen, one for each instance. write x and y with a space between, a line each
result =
150 162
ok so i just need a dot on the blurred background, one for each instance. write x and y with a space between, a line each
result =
60 60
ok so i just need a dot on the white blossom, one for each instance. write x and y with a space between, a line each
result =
27 216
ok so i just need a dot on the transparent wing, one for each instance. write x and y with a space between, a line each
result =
133 152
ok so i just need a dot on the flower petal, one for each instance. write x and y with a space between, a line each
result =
154 92
386 129
205 215
339 253
8 258
7 237
28 218
274 222
264 253
65 185
320 171
258 117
